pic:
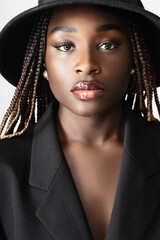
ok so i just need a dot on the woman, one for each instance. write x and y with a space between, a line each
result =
87 166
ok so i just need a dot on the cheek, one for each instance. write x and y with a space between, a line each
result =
117 71
57 65
59 80
57 72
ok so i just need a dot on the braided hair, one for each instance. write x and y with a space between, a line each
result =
142 84
33 90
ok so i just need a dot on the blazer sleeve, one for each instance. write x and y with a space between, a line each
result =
14 170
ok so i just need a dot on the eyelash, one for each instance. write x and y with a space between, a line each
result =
116 45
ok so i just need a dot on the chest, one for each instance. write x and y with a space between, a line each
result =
95 172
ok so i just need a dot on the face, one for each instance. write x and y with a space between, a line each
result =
85 51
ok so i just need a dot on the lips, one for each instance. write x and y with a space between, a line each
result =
85 85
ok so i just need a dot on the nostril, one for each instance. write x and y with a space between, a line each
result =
89 72
88 68
94 70
78 70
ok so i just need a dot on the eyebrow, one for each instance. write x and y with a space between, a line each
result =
101 28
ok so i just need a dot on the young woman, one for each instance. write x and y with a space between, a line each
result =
87 165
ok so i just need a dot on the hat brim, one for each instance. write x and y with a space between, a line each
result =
15 35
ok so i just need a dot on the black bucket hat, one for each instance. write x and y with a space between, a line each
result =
14 36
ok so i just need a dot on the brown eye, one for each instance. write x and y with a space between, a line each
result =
109 45
65 46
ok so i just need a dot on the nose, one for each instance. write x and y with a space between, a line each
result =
86 63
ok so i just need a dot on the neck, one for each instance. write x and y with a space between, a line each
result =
93 130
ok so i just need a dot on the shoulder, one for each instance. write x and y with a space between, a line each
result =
15 153
144 131
14 175
153 133
16 145
153 129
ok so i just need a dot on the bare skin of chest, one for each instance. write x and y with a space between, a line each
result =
95 171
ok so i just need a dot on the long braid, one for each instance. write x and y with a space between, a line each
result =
26 83
146 73
28 55
23 106
144 81
38 67
136 81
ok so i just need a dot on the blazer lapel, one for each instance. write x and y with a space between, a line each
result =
138 192
62 213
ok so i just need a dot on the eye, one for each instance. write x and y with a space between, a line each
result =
65 46
110 45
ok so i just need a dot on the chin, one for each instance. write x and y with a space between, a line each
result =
86 110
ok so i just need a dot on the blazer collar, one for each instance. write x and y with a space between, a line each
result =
137 195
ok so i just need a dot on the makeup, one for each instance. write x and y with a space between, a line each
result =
88 94
87 90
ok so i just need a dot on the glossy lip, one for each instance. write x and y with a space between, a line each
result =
87 86
88 95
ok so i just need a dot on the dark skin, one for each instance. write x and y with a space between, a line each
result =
93 121
90 131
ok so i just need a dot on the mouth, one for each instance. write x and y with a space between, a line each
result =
87 86
87 90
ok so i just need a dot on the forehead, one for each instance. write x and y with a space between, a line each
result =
83 12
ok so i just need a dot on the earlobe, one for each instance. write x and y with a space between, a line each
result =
132 71
45 74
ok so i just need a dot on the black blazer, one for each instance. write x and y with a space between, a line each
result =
38 197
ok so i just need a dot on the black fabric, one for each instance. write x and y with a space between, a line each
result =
19 28
134 2
39 199
137 3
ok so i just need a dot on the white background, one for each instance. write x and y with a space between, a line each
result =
8 10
